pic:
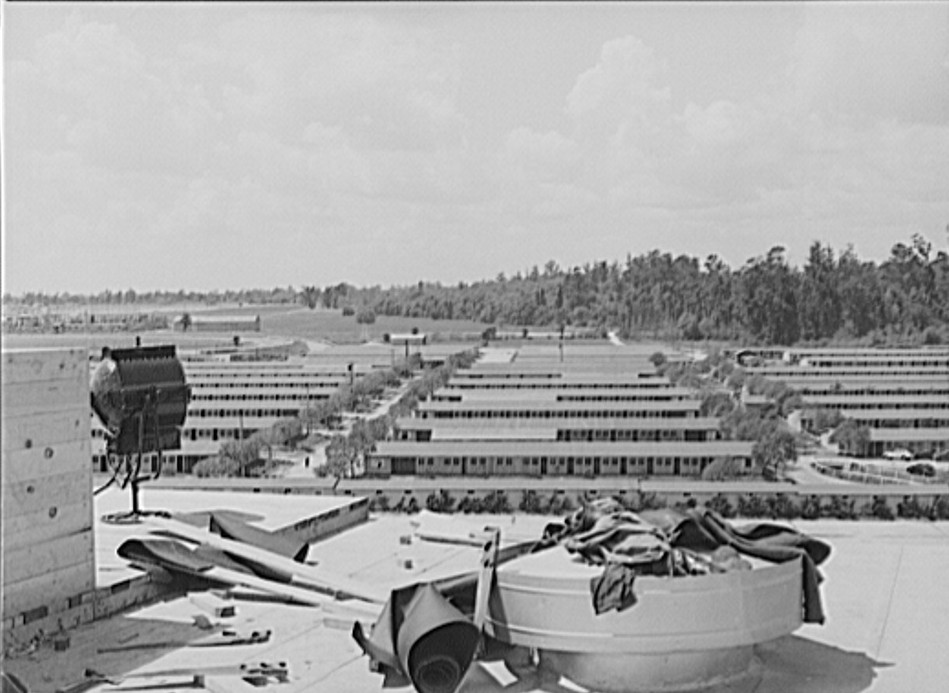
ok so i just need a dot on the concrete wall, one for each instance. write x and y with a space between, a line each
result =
329 522
47 520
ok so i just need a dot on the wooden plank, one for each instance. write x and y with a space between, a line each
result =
489 562
35 560
33 495
36 463
36 527
48 588
45 396
37 365
46 428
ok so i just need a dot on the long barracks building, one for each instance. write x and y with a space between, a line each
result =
692 429
472 380
607 415
566 394
539 409
487 458
231 400
901 395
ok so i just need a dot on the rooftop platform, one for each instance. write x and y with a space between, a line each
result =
886 629
294 515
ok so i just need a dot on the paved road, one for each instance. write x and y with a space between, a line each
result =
802 473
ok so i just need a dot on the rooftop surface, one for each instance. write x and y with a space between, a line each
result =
884 594
270 512
582 449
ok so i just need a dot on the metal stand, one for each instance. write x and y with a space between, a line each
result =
134 478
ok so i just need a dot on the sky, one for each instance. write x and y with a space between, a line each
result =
234 145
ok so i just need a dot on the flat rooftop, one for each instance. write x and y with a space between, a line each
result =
884 595
266 511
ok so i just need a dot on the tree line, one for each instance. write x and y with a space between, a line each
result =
131 297
833 297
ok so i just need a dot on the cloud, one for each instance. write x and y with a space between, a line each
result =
359 129
92 90
531 156
623 81
721 124
886 61
387 89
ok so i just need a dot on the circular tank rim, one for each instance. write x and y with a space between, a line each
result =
555 612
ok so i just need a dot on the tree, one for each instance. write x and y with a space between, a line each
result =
658 359
317 414
773 450
769 297
310 296
216 467
238 456
820 305
365 316
824 419
717 404
722 469
852 438
341 456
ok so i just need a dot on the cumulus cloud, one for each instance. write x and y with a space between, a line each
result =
623 81
338 129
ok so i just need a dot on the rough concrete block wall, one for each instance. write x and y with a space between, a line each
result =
47 511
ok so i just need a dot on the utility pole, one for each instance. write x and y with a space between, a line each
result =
240 418
307 410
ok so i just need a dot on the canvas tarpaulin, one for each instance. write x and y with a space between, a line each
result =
673 542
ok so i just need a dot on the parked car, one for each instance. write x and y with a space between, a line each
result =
898 454
922 469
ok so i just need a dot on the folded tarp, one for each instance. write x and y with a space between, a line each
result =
670 542
197 561
230 527
425 635
166 553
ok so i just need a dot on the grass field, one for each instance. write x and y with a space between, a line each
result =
303 323
116 340
286 321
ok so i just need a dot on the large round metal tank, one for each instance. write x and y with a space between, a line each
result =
683 633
